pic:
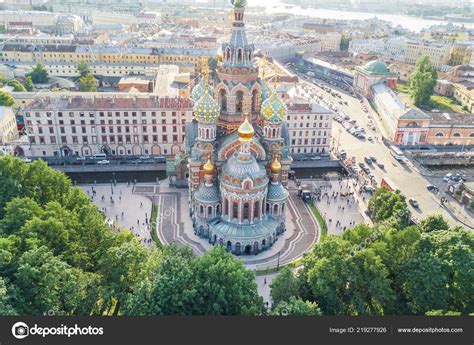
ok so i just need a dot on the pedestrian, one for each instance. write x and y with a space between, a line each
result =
122 214
141 204
265 281
138 222
120 198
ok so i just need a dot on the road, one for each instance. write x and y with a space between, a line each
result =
405 175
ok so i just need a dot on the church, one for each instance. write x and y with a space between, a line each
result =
236 152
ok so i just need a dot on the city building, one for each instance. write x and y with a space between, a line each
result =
309 126
418 128
8 126
461 53
237 152
375 72
119 124
393 48
438 53
464 94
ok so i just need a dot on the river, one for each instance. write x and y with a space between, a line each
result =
407 22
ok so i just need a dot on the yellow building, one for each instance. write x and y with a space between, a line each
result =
438 53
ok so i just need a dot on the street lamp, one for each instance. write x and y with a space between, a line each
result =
278 262
112 186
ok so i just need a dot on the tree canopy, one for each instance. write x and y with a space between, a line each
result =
421 83
87 83
39 74
6 99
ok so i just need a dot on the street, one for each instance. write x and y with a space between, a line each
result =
405 175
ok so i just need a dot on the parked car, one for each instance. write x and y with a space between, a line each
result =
369 138
103 162
373 159
381 166
26 159
456 178
144 157
447 177
81 158
368 160
432 188
413 203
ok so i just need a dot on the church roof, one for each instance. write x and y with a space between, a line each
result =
207 109
273 109
244 231
276 192
376 67
208 194
242 169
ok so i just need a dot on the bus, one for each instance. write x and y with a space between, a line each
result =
387 183
397 153
99 156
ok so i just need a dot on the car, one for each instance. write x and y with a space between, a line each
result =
447 177
361 136
413 203
315 158
368 160
456 178
432 188
103 162
464 178
369 138
381 166
362 165
81 158
144 157
374 159
26 159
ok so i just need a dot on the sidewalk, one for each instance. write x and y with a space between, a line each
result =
123 208
339 205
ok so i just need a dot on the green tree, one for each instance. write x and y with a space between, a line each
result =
216 269
87 83
121 270
421 83
5 307
423 283
44 282
172 291
83 69
389 206
39 74
296 307
17 86
284 286
28 83
434 223
6 99
345 40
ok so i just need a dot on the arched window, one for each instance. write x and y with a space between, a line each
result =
283 209
226 207
246 211
201 210
275 210
209 211
239 55
239 101
235 210
254 101
456 135
223 100
256 209
267 207
247 185
439 135
471 135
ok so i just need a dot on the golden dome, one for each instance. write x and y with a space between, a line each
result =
208 167
275 166
246 130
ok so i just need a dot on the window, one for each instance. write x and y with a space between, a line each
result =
457 135
439 135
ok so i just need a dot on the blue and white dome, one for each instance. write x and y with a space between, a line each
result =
206 108
207 194
276 192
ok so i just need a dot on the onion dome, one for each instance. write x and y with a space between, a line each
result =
198 91
236 168
273 109
267 91
207 193
206 108
246 130
275 166
276 192
208 168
